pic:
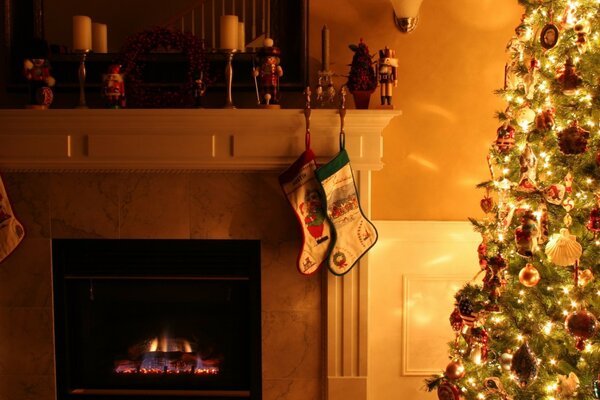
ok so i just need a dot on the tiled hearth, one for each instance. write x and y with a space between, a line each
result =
157 205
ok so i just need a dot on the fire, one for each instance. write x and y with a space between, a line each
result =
166 356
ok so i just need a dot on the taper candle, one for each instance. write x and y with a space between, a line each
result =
229 32
325 48
82 32
99 38
241 36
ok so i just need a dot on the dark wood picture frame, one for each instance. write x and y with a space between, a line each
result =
23 22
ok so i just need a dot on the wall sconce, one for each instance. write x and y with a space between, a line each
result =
406 14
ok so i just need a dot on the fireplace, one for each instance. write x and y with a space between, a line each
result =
157 318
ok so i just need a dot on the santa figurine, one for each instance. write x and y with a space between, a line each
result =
387 66
113 87
268 73
36 69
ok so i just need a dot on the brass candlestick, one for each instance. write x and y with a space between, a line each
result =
325 89
82 56
229 75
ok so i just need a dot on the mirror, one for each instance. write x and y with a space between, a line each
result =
25 20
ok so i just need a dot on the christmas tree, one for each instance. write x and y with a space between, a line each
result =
528 328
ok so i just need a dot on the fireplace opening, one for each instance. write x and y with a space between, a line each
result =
157 318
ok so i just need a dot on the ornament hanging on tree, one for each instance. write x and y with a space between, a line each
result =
527 235
585 277
549 36
525 116
455 370
545 119
505 138
465 307
573 140
528 162
568 78
448 391
487 203
562 248
524 365
516 49
478 345
494 389
596 387
583 325
568 385
456 321
506 361
494 280
594 221
569 17
482 253
582 28
554 194
529 275
543 223
531 79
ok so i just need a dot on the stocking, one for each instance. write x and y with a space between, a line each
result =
11 231
303 192
353 233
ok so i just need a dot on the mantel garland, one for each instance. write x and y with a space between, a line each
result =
133 58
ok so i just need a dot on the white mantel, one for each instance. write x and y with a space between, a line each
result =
217 140
183 139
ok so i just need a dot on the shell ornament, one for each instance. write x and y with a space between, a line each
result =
563 249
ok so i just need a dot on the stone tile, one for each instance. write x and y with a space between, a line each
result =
297 335
27 387
283 287
292 389
239 206
25 276
84 205
29 195
155 206
26 341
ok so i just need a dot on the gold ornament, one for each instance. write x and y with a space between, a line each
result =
585 277
506 361
455 370
529 275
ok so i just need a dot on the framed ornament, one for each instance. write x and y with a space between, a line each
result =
549 36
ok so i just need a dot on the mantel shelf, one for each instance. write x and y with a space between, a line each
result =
182 139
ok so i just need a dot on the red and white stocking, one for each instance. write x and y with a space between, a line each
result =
353 233
11 230
303 192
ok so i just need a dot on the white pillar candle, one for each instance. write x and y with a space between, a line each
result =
82 32
229 32
99 38
241 36
325 48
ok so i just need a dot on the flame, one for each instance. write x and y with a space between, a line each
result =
153 345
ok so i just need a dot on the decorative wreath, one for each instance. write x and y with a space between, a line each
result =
133 60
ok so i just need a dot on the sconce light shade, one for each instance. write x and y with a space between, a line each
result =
406 14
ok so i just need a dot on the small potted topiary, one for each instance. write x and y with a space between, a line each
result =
362 79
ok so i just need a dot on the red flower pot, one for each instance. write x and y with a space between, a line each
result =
362 98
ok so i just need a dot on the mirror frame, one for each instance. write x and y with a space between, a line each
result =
23 21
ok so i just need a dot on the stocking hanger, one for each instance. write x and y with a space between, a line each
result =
342 117
307 112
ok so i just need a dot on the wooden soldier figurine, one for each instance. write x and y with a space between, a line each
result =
387 74
268 74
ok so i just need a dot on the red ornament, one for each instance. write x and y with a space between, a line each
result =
455 370
448 391
583 325
456 321
573 140
505 139
524 365
545 119
482 254
594 221
568 77
487 204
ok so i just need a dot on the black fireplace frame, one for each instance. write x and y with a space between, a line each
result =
135 258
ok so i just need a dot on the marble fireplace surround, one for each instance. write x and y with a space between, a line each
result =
106 174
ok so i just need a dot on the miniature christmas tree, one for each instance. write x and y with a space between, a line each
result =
362 72
528 330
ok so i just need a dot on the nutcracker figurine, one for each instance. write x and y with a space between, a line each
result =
113 87
268 74
386 74
36 69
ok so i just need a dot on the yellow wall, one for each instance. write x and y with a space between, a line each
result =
434 153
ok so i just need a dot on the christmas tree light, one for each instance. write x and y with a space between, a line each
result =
529 329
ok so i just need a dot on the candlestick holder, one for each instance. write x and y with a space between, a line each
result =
82 56
229 53
325 89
